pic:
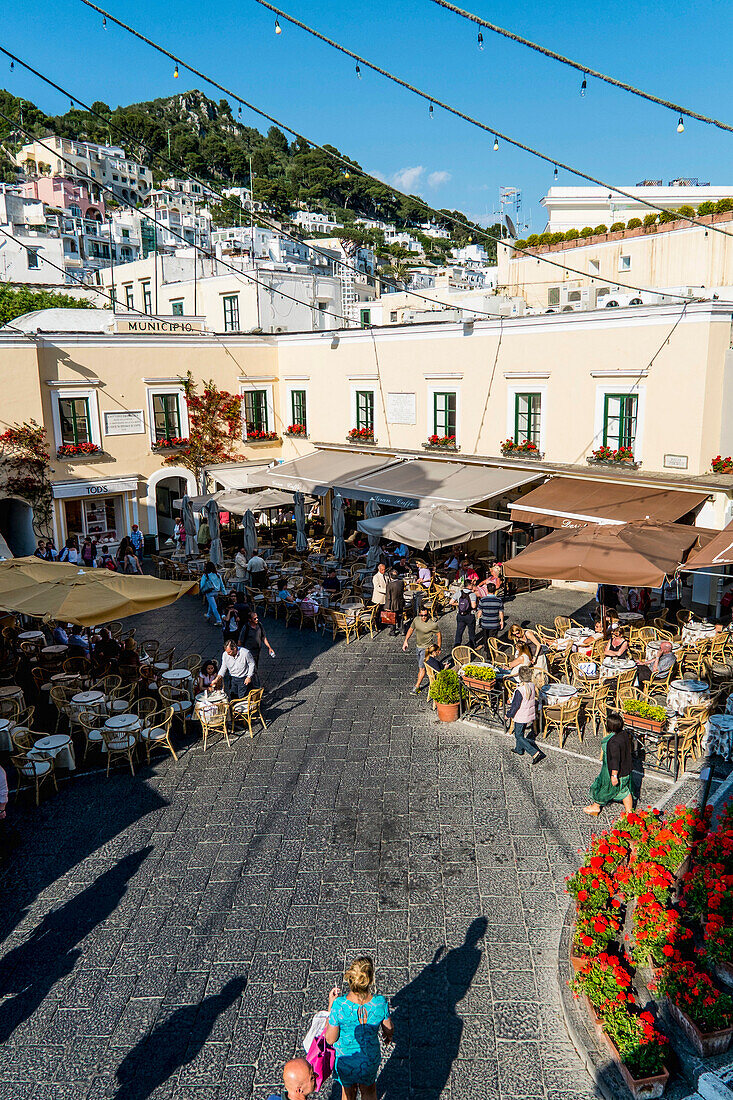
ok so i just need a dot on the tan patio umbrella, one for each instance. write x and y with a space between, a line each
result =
231 500
718 552
87 597
641 553
431 528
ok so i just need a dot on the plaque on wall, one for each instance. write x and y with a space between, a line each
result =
124 423
401 408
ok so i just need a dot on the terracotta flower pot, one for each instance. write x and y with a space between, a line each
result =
576 961
479 685
447 712
595 1019
706 1043
643 1088
636 721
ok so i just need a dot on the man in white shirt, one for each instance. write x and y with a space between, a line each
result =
379 591
240 665
257 571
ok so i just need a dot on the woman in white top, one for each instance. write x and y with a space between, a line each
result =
522 658
240 565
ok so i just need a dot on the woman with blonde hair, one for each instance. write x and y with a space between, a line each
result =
353 1028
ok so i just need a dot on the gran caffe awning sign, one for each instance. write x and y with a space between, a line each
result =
158 326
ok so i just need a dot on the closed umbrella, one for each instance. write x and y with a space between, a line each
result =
216 553
301 542
189 526
87 597
431 528
249 533
372 512
338 521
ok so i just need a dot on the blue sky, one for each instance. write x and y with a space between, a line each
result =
678 51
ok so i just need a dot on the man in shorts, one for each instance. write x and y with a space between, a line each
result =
426 632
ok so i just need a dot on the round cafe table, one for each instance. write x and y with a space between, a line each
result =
206 704
558 693
128 723
54 651
630 618
718 738
652 649
31 636
89 700
612 666
13 691
694 632
178 677
687 693
58 745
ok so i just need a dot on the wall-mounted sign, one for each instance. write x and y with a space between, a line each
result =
124 423
65 490
401 408
178 326
676 462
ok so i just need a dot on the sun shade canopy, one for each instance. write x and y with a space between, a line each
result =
87 597
320 471
572 503
231 501
245 475
430 528
415 483
717 553
642 553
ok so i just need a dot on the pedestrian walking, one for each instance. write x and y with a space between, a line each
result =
253 638
491 609
257 569
354 1023
465 606
522 711
379 591
426 632
613 783
211 585
203 536
137 540
395 600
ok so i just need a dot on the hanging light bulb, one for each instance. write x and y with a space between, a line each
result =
347 175
71 104
239 112
583 86
496 143
12 66
104 22
480 40
358 70
432 111
175 72
278 28
681 125
555 172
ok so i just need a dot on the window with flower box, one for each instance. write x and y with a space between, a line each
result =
297 407
254 409
444 414
166 416
527 417
74 417
365 410
619 419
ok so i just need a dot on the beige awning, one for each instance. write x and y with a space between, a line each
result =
420 482
431 528
239 503
573 503
717 554
242 475
320 471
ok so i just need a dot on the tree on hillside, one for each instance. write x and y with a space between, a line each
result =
15 301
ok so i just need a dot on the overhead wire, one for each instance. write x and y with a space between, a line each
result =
586 70
356 169
492 130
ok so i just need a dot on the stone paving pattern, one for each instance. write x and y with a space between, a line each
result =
170 935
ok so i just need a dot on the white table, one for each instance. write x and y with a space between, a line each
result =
206 705
13 691
613 666
631 618
89 700
31 636
718 737
179 677
581 640
128 723
652 649
59 746
555 694
695 632
6 741
687 693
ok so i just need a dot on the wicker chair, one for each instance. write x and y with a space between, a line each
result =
366 620
179 701
247 710
214 718
156 732
562 716
119 743
37 769
90 724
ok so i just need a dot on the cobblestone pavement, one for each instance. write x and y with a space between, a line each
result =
170 935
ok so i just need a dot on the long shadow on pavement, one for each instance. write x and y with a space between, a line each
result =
32 969
172 1044
428 1028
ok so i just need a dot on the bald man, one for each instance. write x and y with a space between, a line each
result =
299 1079
659 667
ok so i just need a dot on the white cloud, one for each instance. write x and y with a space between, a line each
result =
407 178
437 179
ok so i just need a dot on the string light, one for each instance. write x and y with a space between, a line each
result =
583 86
681 125
555 172
12 66
175 73
432 111
278 28
104 22
496 143
480 40
358 70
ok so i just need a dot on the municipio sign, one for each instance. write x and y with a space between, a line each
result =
165 326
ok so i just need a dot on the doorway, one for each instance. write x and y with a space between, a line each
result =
16 526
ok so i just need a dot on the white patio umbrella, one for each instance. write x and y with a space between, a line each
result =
431 528
338 521
189 526
216 552
373 511
249 534
301 542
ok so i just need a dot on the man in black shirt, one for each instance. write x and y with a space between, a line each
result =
253 638
331 583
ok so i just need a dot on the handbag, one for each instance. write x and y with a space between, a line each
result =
321 1058
388 617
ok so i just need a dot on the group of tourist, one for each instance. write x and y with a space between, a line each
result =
128 557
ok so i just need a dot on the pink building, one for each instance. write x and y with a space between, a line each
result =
72 197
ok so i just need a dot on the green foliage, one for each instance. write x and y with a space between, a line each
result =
479 672
644 710
533 240
705 208
571 235
446 687
617 226
587 231
15 301
521 243
601 229
666 216
722 206
555 238
686 211
633 223
650 219
545 238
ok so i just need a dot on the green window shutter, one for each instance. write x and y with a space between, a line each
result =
166 416
74 417
365 409
298 411
619 420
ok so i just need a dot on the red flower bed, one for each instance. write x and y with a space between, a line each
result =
362 435
693 991
69 450
443 441
295 429
526 447
722 465
256 434
623 456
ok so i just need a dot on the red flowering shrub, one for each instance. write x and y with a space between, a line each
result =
295 429
657 932
69 450
694 993
621 455
591 889
641 1046
442 441
722 465
605 982
643 879
509 447
594 932
362 435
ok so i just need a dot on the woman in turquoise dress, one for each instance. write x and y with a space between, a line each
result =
353 1028
613 783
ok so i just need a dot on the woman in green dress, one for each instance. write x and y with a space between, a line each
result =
614 781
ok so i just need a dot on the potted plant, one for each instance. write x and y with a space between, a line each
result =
526 448
701 1010
257 435
361 435
610 456
643 716
478 676
657 931
295 429
605 982
639 1050
441 443
77 450
593 933
445 691
171 443
722 465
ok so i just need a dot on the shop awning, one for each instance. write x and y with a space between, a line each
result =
431 528
320 471
243 475
573 503
414 483
718 552
232 501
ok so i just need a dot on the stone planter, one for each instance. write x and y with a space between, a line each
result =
261 442
643 1088
438 447
595 1019
523 454
447 712
706 1043
359 440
